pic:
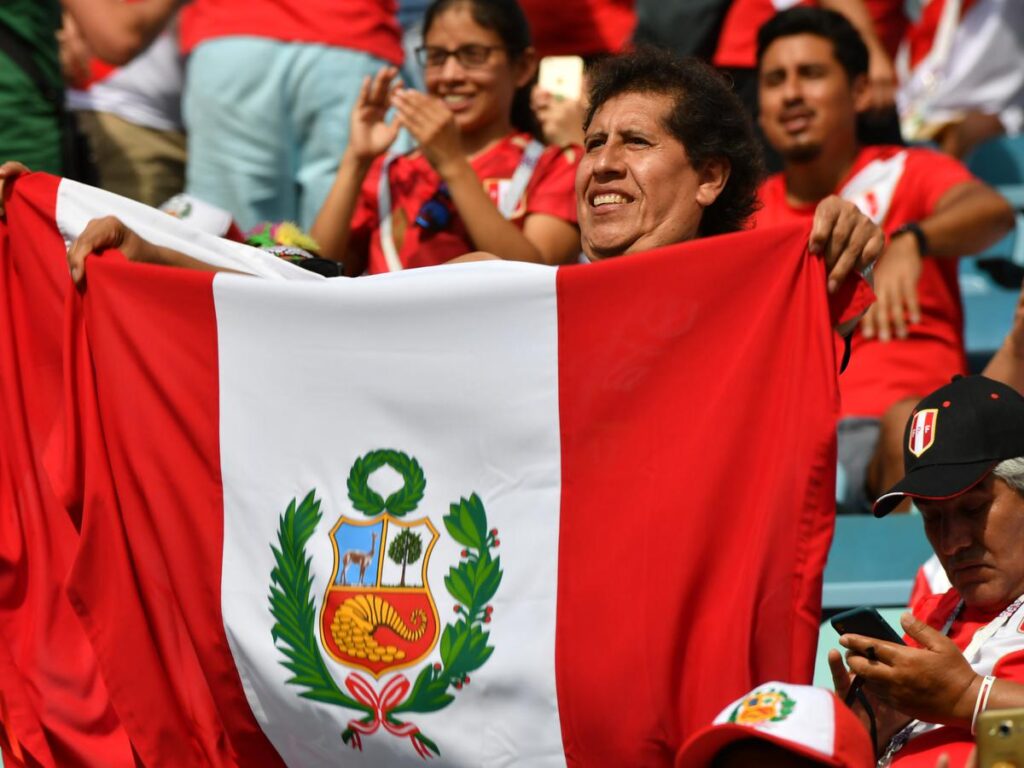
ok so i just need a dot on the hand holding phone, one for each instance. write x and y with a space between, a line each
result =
562 76
865 621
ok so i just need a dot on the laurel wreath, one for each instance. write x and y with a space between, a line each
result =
399 503
292 606
464 645
473 583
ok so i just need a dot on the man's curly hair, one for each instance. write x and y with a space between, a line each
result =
706 118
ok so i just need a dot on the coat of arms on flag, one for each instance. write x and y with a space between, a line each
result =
922 430
378 614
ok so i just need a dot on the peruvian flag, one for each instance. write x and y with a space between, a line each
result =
480 514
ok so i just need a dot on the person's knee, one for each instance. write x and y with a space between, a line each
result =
892 427
886 467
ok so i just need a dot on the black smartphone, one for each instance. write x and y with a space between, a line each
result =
865 621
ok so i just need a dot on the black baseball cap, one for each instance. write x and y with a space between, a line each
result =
955 437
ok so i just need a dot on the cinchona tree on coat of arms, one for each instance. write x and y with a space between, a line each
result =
378 615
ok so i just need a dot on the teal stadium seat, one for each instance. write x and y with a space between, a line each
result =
871 562
1000 162
990 282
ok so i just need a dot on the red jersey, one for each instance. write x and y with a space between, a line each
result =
580 27
360 25
924 751
737 43
414 182
894 186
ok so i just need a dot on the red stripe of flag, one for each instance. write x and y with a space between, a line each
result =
55 707
698 464
147 578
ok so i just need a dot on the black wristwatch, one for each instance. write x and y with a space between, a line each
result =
915 229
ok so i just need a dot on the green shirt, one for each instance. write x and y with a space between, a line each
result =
36 23
30 131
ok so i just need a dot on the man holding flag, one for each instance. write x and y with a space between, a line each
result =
285 587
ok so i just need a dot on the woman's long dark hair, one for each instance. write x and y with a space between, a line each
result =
506 19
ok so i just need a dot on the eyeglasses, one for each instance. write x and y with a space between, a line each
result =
468 56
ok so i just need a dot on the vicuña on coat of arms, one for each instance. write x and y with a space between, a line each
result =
378 615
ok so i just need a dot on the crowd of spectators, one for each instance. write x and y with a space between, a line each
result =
406 137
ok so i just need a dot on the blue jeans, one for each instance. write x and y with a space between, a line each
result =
267 123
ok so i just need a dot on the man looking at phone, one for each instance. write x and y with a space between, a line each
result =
964 460
813 72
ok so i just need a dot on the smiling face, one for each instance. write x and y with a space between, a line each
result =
635 186
479 97
807 103
979 538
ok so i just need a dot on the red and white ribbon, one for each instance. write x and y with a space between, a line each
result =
391 696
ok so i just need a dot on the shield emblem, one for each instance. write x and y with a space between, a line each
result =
378 613
922 430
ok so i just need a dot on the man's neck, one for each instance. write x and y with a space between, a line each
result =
811 181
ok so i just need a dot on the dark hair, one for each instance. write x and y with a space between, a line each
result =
706 117
753 747
506 19
847 45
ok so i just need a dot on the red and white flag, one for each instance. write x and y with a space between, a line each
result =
487 513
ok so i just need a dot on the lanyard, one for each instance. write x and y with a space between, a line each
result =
507 204
982 636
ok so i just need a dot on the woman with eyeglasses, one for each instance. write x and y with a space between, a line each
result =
479 179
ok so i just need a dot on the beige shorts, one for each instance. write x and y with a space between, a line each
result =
131 160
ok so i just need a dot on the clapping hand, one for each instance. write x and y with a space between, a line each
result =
370 133
433 126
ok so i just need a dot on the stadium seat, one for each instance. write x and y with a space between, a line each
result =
990 282
988 310
873 561
840 483
1000 162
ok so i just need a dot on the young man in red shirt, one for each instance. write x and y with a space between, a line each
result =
812 69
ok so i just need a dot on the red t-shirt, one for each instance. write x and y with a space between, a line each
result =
924 751
414 182
737 43
361 25
880 373
580 27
